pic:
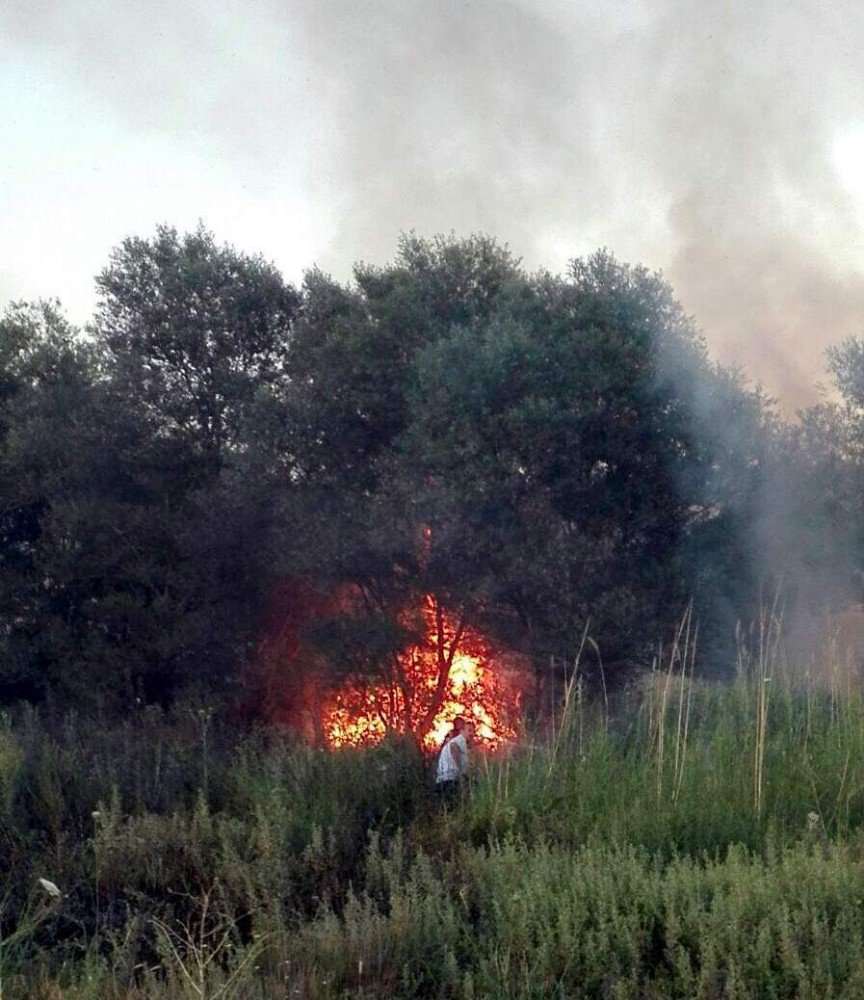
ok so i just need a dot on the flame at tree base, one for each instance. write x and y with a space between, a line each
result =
450 673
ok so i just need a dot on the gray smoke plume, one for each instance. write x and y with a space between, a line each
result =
693 137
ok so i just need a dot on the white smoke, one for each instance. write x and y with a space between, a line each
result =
699 138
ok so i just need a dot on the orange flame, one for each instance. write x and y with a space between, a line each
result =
449 673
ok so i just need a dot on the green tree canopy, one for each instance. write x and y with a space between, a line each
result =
557 435
538 452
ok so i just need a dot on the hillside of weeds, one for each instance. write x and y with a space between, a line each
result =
684 840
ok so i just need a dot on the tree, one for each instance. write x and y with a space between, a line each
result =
190 334
560 439
136 542
194 330
530 455
820 477
46 384
570 460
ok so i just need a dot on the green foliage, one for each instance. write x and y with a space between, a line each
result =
131 543
627 856
577 459
572 449
193 331
574 452
46 414
823 459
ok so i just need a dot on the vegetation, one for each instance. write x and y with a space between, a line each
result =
225 489
536 452
688 840
215 431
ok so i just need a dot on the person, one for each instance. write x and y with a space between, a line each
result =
453 758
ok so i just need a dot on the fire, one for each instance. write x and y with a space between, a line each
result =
448 674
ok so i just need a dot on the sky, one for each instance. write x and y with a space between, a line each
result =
719 143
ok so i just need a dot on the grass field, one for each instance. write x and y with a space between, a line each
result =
689 840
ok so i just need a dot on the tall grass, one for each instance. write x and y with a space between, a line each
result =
678 839
680 768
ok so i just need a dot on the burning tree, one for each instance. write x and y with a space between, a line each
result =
446 669
341 670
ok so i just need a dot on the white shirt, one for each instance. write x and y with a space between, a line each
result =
448 768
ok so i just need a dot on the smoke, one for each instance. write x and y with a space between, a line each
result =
745 125
698 138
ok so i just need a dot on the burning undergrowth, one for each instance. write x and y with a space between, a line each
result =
324 675
449 672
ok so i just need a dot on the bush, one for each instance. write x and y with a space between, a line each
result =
696 842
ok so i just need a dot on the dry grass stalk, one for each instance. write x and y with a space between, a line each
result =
770 636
